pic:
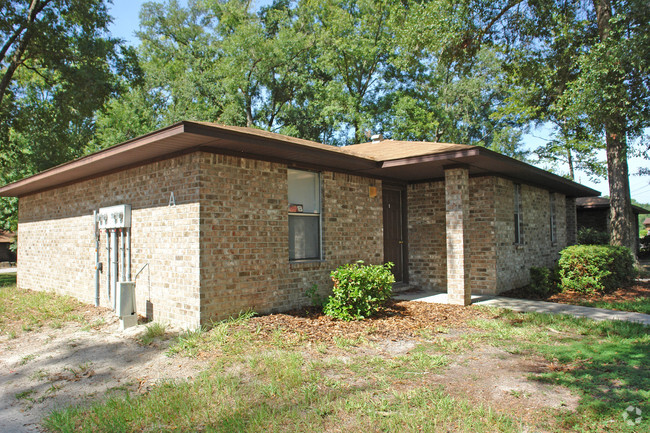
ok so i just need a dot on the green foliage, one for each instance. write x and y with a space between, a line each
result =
596 268
543 281
58 67
317 300
359 290
591 236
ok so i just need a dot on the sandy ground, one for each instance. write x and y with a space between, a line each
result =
54 368
50 369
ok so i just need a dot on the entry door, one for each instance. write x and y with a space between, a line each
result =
394 242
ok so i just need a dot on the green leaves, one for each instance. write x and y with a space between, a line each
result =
359 290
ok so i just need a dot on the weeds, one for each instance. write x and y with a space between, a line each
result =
152 331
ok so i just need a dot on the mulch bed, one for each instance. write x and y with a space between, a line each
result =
401 319
641 289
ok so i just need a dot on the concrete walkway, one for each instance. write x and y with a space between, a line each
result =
8 270
527 306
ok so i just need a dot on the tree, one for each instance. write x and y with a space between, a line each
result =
605 85
58 67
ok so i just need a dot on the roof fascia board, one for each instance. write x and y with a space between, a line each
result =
454 154
43 176
307 146
539 172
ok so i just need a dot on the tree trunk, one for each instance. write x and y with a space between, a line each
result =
620 215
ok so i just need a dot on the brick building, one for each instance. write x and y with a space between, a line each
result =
224 219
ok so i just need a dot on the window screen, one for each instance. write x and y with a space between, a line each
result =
304 215
517 214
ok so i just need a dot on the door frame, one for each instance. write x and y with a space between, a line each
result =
401 188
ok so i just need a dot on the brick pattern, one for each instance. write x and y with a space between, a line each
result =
482 235
571 221
514 261
496 264
57 242
427 245
223 247
244 225
457 229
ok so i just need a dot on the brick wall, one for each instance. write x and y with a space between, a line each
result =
514 261
482 235
244 235
57 244
496 264
426 233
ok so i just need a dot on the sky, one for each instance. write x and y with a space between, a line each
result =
126 23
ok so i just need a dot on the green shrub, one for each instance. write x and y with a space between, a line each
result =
596 268
359 290
543 281
589 236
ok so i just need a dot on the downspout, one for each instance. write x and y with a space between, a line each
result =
128 254
96 259
114 269
122 256
108 266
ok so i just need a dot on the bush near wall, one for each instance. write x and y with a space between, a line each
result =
589 236
359 290
543 281
596 268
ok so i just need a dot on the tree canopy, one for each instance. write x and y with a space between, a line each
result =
473 71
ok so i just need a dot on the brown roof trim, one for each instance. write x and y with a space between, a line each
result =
53 176
549 179
431 158
184 137
180 138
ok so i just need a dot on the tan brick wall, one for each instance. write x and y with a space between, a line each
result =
459 251
496 264
514 261
57 246
427 250
482 235
245 232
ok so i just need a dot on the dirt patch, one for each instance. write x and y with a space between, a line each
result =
494 377
54 368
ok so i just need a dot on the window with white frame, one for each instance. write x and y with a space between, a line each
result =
517 213
304 215
551 198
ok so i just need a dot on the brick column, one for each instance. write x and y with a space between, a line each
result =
457 215
571 221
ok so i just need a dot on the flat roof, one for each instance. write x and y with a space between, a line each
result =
400 161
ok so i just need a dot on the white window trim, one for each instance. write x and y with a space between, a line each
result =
313 215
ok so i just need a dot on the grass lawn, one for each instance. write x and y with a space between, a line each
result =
641 305
267 377
25 311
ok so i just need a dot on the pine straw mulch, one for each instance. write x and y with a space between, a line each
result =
640 289
399 320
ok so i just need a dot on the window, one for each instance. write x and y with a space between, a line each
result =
551 198
304 215
518 228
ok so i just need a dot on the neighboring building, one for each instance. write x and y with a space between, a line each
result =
593 212
6 239
230 218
